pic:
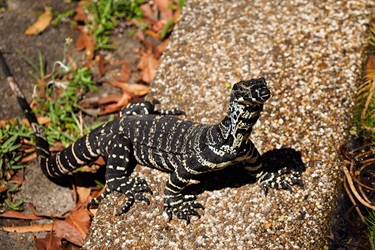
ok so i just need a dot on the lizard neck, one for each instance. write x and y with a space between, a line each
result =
237 125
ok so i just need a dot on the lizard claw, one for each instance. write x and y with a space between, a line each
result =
182 208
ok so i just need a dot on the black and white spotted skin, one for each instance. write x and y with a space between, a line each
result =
146 136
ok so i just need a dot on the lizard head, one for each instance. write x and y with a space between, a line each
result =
250 92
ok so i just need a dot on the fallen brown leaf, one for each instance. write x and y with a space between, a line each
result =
3 189
158 26
370 65
28 158
124 72
153 34
109 109
109 99
18 215
149 13
148 66
75 228
86 41
101 64
166 12
41 120
68 232
41 24
29 229
83 195
17 178
36 213
80 14
132 89
160 48
140 35
129 91
50 242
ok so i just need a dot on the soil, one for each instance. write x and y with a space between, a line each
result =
17 16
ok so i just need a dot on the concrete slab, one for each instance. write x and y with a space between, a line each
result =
311 53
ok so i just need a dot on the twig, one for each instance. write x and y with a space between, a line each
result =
352 198
353 189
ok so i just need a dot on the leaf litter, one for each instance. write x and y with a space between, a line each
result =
131 80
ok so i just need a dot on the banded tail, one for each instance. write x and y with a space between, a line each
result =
42 146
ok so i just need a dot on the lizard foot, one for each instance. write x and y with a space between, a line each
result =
282 179
182 207
134 189
96 200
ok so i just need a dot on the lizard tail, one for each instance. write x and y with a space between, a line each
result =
42 146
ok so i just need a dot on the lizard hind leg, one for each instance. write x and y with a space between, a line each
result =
120 165
134 189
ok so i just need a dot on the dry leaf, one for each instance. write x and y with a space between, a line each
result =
148 66
166 13
80 219
55 216
50 242
109 99
148 13
152 34
2 189
131 89
29 229
109 109
161 47
68 232
80 14
29 157
140 35
124 72
101 65
83 195
17 178
41 120
18 215
75 227
41 24
158 26
370 65
86 41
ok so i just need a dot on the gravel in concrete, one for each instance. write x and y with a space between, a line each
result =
311 53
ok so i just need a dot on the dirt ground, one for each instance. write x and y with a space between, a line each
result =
19 15
16 18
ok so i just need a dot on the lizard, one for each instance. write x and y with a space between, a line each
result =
184 149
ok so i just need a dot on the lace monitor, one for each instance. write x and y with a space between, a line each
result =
143 135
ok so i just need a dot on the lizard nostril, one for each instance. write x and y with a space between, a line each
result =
264 94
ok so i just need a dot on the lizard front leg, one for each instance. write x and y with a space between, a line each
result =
275 169
175 203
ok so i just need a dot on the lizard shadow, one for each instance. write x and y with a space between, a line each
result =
237 176
81 178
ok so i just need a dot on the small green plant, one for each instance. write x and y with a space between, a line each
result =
104 16
10 136
61 17
10 157
14 204
62 108
370 222
60 104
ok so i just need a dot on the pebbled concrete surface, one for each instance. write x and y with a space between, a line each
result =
311 53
